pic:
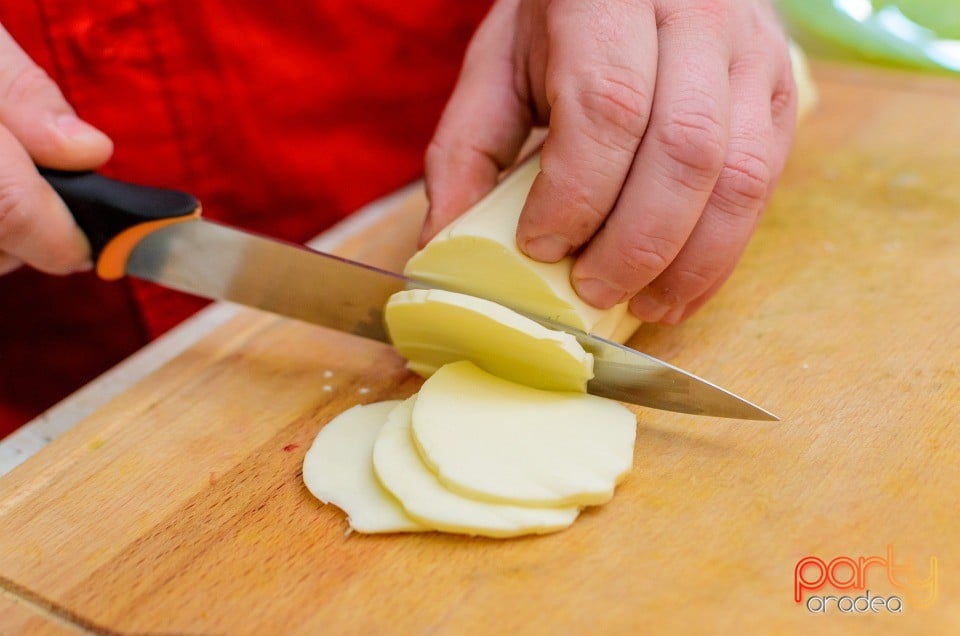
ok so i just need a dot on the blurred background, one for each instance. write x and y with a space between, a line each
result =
914 34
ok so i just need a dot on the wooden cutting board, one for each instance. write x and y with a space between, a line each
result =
179 507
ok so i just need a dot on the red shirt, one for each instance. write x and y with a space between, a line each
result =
281 117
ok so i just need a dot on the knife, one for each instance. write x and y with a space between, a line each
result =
158 235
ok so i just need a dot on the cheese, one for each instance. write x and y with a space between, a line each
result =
806 89
478 254
338 469
495 440
401 471
435 327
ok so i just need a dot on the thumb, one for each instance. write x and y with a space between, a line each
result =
483 125
35 111
35 226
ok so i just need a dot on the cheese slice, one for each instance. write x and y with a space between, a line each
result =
338 469
434 327
401 471
488 438
478 254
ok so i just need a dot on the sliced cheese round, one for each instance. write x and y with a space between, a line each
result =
478 254
434 327
338 469
492 439
401 471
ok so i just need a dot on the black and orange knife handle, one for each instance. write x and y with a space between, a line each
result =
115 215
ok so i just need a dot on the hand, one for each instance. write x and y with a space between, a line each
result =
38 126
669 123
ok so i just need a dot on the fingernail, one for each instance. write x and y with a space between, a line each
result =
599 293
647 308
549 248
674 316
75 128
426 230
423 239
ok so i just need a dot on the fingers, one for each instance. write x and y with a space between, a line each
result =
783 107
37 126
669 123
35 226
598 85
761 127
483 125
34 110
677 165
731 213
762 120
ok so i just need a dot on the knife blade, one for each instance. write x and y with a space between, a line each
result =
158 235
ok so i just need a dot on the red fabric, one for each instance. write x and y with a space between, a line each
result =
282 117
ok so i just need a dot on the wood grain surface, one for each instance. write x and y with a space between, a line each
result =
179 507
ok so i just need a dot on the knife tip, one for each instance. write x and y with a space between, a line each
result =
746 410
763 415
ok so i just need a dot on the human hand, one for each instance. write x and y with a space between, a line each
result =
38 126
669 123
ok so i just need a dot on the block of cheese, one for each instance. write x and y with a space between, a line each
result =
478 254
806 89
431 328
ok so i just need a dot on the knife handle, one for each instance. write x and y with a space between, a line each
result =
115 215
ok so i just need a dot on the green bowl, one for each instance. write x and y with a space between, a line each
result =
919 34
